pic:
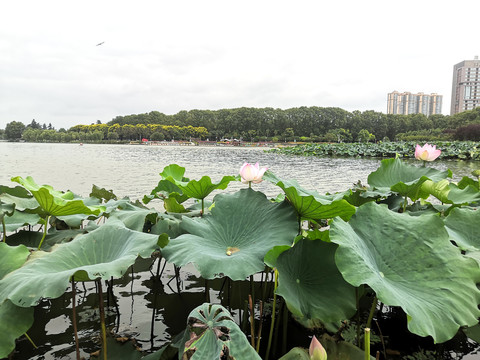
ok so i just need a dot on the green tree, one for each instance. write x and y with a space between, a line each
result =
365 136
14 130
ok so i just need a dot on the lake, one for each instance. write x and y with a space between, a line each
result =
133 170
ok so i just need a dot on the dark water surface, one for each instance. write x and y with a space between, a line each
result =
152 310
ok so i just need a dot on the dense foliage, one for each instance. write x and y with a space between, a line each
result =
465 150
407 240
312 124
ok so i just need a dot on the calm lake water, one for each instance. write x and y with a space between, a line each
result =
133 171
153 311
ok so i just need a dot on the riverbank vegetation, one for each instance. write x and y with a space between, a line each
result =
400 249
306 124
464 150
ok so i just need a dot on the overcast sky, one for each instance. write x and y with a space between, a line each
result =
190 54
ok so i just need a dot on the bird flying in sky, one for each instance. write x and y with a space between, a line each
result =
100 43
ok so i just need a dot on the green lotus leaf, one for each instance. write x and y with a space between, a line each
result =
57 203
466 181
175 172
172 205
473 332
463 226
310 204
210 329
466 195
102 193
20 219
296 354
32 239
311 284
166 189
438 189
233 240
14 322
404 179
11 258
197 189
167 224
6 209
409 262
103 253
21 203
336 350
134 216
202 188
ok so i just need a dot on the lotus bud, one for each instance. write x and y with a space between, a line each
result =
316 350
252 173
426 152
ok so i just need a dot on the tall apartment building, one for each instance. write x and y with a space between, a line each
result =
407 103
465 86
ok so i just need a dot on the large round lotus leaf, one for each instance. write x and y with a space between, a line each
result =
210 330
311 284
404 179
463 226
103 253
409 262
234 239
14 322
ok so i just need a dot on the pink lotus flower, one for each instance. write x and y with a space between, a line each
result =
252 173
426 152
316 350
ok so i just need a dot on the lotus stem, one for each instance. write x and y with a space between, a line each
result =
4 230
372 311
357 302
31 341
74 319
285 328
367 343
259 337
252 321
270 335
203 208
44 232
102 318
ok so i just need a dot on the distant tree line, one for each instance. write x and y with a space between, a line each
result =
311 124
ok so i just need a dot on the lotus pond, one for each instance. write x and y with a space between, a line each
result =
243 275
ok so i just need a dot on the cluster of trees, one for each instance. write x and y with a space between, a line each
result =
102 132
258 124
309 123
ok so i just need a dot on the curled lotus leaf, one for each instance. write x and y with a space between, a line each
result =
103 253
211 331
410 262
233 240
197 189
310 204
55 202
407 180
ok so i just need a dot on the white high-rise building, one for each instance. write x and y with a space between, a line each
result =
465 86
407 103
